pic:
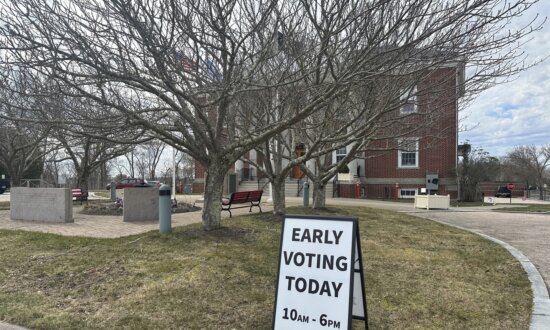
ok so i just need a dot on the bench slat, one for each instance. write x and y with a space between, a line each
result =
255 195
242 197
79 194
239 197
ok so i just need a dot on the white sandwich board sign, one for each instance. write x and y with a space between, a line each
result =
320 282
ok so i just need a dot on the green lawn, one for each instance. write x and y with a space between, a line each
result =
419 274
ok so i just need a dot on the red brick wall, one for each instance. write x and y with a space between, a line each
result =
198 187
437 141
350 190
199 170
200 176
198 184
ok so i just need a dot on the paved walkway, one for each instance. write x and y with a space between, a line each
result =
529 233
95 226
106 226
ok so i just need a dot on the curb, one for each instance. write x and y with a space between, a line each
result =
540 316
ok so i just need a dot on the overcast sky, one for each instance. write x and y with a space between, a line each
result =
518 112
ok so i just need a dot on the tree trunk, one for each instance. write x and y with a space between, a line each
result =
279 205
15 181
82 180
319 195
213 193
14 176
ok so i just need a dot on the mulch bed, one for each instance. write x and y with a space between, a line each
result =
111 209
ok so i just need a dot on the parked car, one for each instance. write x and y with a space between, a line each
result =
129 183
155 183
503 192
4 185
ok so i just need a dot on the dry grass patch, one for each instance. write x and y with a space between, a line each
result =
419 274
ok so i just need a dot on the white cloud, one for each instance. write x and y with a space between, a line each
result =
518 112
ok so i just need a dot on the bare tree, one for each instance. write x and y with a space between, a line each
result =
88 155
185 166
119 165
20 151
131 166
52 168
530 162
477 165
348 123
176 68
87 152
148 157
23 139
278 157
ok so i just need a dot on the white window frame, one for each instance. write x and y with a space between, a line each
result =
400 153
408 98
339 155
409 190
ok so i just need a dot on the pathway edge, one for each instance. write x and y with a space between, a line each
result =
540 316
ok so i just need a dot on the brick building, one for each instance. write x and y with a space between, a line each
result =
424 157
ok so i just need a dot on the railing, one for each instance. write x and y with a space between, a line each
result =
348 189
535 195
36 183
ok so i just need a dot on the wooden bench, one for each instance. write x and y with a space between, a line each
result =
79 195
242 197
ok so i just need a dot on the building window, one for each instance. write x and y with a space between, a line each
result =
408 101
408 153
407 193
341 154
